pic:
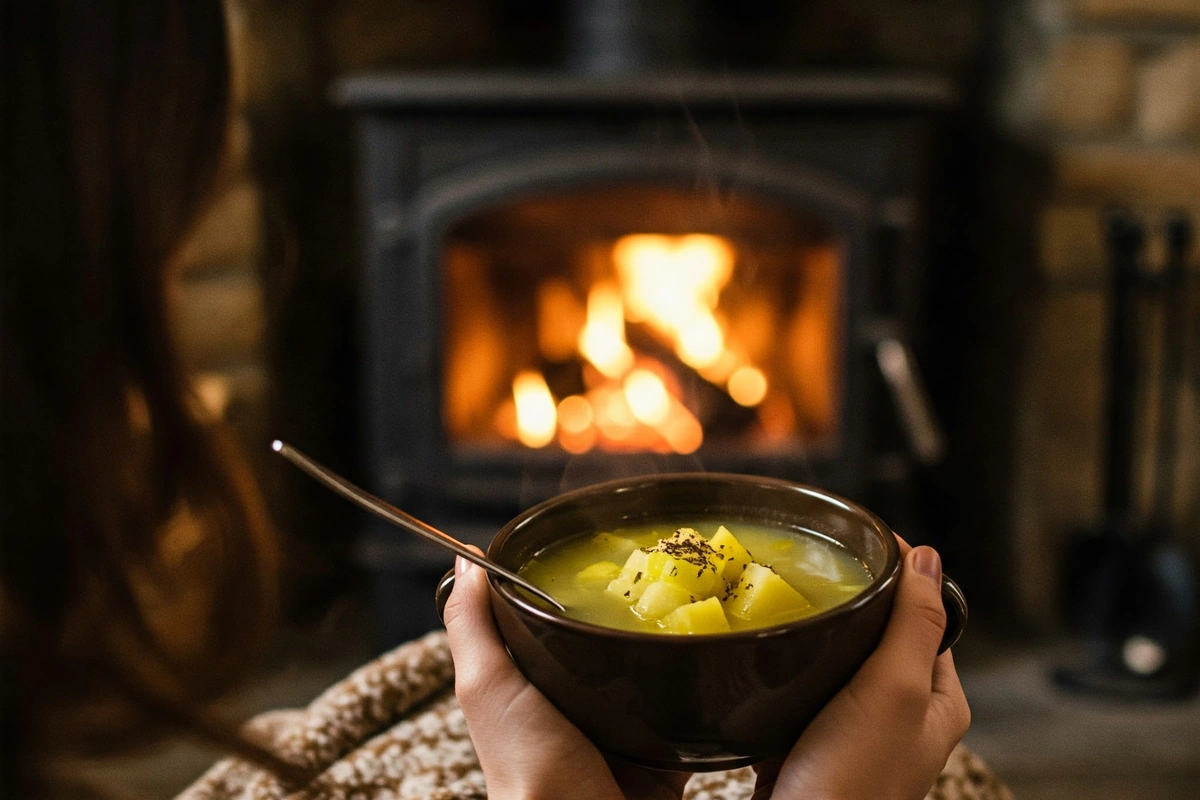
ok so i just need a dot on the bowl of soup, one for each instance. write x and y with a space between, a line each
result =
709 617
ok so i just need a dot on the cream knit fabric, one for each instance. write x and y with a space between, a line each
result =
393 731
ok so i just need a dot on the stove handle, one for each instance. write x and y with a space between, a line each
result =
899 370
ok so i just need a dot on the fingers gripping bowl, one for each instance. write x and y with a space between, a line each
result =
697 702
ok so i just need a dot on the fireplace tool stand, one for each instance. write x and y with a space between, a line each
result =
1130 588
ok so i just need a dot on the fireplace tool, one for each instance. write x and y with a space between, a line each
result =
1131 587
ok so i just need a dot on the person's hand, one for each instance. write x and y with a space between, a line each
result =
888 733
527 749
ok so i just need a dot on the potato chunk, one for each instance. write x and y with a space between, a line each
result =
761 596
701 580
734 557
659 599
687 560
598 575
635 576
704 616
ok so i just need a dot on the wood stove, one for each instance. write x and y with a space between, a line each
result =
567 279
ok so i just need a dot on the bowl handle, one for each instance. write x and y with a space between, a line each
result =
956 613
952 599
442 594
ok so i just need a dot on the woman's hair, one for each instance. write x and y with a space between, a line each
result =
137 569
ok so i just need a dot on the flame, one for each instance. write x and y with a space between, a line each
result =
576 424
575 414
673 283
614 417
666 279
647 397
602 340
747 386
700 341
537 416
683 431
578 443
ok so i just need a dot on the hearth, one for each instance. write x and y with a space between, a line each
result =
567 279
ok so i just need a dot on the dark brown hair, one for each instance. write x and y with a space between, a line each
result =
136 562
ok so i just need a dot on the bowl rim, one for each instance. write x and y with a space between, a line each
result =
888 575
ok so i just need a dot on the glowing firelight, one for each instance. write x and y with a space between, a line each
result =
667 278
672 286
614 418
602 340
701 343
673 283
537 417
576 424
575 414
647 397
747 386
682 431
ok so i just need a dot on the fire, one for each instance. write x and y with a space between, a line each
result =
683 432
575 415
602 340
647 397
637 414
576 424
747 386
615 418
701 342
537 415
669 279
672 286
673 283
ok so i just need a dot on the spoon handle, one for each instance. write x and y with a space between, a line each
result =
385 510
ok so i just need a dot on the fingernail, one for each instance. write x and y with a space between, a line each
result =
460 566
927 562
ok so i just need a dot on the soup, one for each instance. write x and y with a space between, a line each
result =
698 577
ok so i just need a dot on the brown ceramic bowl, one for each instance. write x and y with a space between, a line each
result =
705 702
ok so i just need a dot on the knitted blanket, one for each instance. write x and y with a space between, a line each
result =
393 730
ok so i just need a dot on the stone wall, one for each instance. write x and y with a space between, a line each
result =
1109 92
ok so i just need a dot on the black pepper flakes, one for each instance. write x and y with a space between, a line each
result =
688 546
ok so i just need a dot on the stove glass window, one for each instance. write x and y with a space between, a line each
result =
642 318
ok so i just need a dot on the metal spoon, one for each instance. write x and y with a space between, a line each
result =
389 512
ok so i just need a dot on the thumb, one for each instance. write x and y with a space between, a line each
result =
475 643
910 643
468 603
